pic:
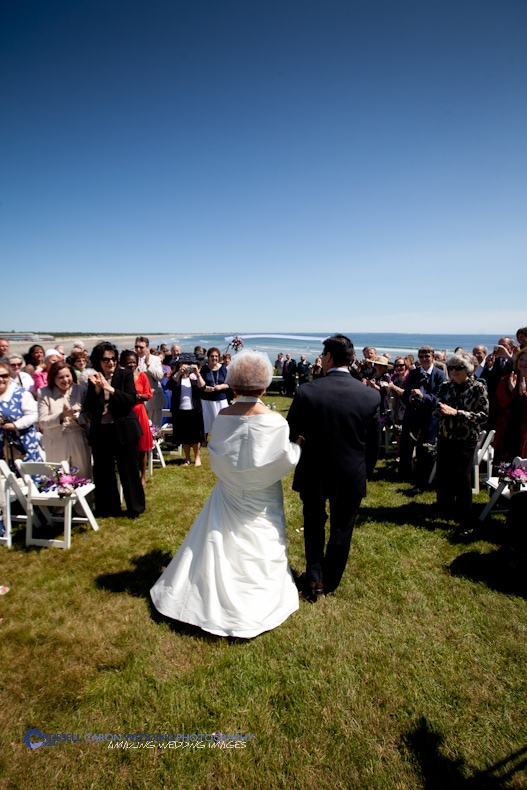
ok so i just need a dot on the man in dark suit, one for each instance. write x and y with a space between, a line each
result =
303 369
336 421
420 424
289 375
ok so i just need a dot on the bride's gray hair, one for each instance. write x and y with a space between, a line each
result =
249 371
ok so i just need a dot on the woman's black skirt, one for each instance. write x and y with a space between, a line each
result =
188 426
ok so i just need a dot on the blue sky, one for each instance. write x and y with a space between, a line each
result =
263 165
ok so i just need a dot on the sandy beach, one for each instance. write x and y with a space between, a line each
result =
121 341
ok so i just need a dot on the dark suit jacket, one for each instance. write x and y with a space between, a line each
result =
418 415
340 421
120 406
303 372
291 368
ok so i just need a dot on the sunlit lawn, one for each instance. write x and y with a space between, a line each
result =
412 676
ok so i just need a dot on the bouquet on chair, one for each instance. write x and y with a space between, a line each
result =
512 475
63 483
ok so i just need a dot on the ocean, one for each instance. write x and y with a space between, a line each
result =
311 344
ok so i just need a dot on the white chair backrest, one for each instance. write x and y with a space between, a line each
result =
519 462
29 469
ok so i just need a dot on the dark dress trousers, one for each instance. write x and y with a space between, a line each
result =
340 422
116 442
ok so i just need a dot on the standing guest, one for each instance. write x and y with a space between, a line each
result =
164 353
302 369
366 365
396 389
60 418
226 359
80 363
521 337
440 362
201 355
409 361
279 364
316 370
214 396
289 375
18 415
186 385
34 359
4 347
380 380
151 365
497 365
511 399
19 376
173 357
463 409
114 434
480 354
60 350
337 423
420 422
129 361
77 347
40 377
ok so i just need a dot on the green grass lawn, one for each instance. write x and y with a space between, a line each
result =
412 676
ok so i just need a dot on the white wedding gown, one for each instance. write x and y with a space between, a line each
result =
231 576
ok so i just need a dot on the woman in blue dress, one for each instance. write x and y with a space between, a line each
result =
18 415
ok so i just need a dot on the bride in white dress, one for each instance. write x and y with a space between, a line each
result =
231 576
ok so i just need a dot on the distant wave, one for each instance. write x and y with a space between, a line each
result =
282 337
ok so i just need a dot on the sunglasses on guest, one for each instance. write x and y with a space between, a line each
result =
458 368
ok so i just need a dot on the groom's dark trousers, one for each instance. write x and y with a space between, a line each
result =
339 419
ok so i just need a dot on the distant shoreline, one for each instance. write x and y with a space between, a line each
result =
121 341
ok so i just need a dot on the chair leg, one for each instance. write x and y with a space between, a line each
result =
67 523
87 511
29 523
492 501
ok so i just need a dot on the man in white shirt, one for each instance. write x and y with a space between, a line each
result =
151 365
480 353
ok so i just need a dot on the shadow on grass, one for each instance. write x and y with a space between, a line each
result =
440 772
138 582
501 570
414 514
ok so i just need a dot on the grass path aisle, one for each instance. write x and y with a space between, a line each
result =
412 676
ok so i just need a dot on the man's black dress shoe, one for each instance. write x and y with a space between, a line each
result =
311 591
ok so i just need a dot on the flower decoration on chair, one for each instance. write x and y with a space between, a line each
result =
61 482
157 433
513 476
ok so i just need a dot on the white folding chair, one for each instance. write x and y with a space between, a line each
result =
13 490
501 489
43 500
484 454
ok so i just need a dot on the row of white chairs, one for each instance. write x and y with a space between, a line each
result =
35 505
